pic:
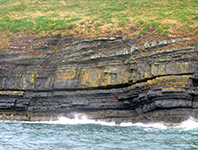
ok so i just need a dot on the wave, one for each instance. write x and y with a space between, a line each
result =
82 119
189 124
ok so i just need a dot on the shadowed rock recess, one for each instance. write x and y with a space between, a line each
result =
114 79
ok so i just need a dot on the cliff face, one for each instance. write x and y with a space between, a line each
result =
133 79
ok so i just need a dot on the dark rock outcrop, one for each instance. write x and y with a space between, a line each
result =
105 78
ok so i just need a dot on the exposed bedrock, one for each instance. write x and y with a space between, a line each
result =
105 78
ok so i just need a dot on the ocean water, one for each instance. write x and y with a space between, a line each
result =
85 134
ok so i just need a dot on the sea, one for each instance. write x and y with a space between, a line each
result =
85 134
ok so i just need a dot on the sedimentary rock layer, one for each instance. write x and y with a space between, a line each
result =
114 77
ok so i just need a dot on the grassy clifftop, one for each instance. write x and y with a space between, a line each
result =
91 18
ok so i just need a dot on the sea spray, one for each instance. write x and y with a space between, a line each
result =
80 132
77 118
83 119
189 124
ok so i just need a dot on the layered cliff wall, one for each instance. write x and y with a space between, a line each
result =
133 79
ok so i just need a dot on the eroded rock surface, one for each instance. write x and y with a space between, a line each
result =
105 78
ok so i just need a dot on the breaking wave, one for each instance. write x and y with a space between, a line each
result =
189 124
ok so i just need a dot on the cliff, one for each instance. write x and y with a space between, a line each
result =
143 78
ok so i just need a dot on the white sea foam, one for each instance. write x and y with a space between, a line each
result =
79 119
189 124
82 119
151 125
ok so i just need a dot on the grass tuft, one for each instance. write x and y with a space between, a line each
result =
113 9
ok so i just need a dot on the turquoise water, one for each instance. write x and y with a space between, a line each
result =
84 134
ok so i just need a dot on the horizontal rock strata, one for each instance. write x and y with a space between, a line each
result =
104 78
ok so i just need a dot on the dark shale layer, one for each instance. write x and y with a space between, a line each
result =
114 79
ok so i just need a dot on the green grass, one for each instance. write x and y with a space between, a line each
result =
113 9
159 30
98 16
124 59
196 32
